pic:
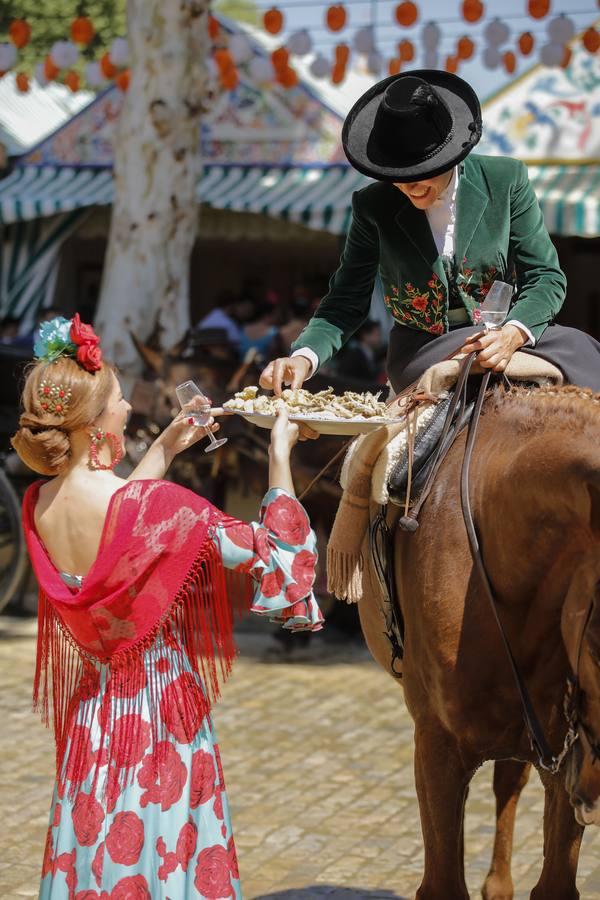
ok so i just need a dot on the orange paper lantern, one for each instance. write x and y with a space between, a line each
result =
338 73
510 61
19 33
109 70
395 66
591 40
537 9
213 28
287 77
451 64
123 79
526 43
342 54
72 81
336 17
82 30
280 59
465 47
406 51
472 10
22 82
223 59
230 79
406 14
50 70
273 20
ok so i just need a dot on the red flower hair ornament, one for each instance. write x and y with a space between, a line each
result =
61 337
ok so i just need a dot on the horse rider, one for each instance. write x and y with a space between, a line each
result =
439 225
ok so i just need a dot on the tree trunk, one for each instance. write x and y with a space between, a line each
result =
154 219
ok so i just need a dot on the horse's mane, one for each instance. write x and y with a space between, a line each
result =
529 408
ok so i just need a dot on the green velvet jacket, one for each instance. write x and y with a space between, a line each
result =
500 233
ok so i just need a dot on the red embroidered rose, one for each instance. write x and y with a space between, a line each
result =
233 863
169 860
286 519
420 302
293 593
113 788
303 568
162 778
82 333
125 838
98 864
202 779
213 878
272 583
56 817
218 804
81 755
90 357
66 863
262 544
183 707
133 888
241 535
186 843
88 817
129 681
437 329
130 740
47 861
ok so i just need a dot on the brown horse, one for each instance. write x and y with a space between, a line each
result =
535 496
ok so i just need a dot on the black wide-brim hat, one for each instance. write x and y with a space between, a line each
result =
412 126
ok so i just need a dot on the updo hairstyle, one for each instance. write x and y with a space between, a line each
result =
43 439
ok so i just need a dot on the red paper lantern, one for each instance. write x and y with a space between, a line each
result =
230 79
224 60
50 69
451 64
465 47
123 79
19 32
22 82
342 55
526 43
395 66
213 28
407 14
406 51
280 59
537 9
287 77
472 10
72 81
338 73
336 17
273 20
591 40
510 61
109 70
82 30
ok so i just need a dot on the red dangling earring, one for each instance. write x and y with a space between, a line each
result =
99 437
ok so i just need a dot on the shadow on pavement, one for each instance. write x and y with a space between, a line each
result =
331 893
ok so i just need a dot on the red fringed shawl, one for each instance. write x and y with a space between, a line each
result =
158 579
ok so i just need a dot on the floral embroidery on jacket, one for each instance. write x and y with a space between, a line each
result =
420 308
473 285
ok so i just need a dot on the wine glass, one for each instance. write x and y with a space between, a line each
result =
493 311
192 400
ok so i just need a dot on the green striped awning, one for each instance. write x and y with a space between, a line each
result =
315 196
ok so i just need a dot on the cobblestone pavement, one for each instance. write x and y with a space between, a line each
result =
317 753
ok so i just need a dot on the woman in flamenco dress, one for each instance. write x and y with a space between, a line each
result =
139 580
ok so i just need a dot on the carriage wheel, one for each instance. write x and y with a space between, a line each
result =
13 556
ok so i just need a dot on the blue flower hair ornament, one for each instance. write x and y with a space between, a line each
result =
69 337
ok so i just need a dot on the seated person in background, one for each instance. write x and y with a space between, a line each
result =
261 334
230 313
362 356
9 330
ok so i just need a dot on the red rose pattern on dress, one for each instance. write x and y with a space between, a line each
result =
164 779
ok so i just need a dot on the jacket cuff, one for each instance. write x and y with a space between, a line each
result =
311 356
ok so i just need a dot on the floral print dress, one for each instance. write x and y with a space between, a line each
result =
166 835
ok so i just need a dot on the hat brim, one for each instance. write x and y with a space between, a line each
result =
463 104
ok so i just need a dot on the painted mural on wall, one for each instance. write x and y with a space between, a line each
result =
249 125
549 114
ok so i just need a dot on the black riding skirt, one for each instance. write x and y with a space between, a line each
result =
411 352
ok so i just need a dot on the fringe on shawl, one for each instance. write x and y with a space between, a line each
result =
197 628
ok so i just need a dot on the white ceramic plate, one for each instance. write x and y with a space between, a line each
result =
321 424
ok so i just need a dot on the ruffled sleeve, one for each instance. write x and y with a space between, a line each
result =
280 553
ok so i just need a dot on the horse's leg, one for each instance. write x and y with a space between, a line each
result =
562 840
510 777
442 782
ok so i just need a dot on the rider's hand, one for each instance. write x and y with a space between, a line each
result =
292 370
495 347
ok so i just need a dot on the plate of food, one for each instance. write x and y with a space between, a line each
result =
346 414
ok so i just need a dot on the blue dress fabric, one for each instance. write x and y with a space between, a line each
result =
166 833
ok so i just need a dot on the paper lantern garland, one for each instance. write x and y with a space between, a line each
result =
406 14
